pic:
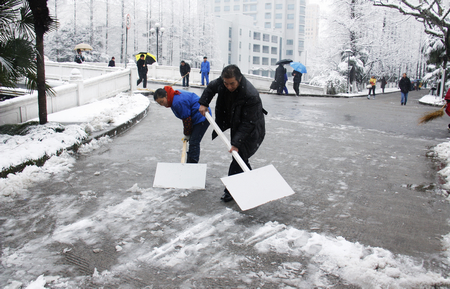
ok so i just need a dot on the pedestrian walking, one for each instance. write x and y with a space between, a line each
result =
405 86
185 69
204 70
279 78
238 108
297 80
383 84
185 106
142 71
285 89
79 58
373 83
447 106
112 62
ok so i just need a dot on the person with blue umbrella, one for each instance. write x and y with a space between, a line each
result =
299 69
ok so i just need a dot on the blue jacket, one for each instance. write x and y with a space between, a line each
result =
205 66
186 105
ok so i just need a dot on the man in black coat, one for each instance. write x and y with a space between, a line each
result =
142 70
279 78
297 80
405 87
185 69
239 108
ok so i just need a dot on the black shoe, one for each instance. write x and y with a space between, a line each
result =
226 197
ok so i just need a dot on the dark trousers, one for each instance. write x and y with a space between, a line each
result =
198 130
186 80
372 89
296 88
142 78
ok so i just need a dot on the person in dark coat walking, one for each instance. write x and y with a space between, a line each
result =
297 80
142 70
405 87
383 84
185 69
279 78
238 108
112 62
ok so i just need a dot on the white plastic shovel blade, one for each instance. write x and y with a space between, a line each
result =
256 187
180 176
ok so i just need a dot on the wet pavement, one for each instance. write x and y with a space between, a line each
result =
361 169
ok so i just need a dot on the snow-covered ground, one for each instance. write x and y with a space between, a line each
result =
327 256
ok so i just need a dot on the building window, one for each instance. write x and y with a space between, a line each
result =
264 73
302 10
229 45
217 9
240 44
266 37
290 42
301 29
249 46
265 49
237 7
245 8
274 39
268 6
257 36
301 44
256 48
278 16
229 31
226 8
239 58
268 16
249 33
274 50
291 7
255 60
289 52
278 6
267 25
229 58
226 0
301 19
290 16
302 2
240 31
253 7
265 61
217 1
273 61
290 26
278 25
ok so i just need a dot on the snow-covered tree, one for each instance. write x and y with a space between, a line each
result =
434 14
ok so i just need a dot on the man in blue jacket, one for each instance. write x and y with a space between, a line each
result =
185 106
204 70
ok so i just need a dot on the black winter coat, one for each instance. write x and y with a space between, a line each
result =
279 75
246 118
184 69
142 66
405 84
297 76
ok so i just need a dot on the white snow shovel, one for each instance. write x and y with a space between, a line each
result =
252 188
180 175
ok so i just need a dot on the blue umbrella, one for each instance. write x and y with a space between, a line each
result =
298 66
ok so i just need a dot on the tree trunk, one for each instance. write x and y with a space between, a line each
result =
42 97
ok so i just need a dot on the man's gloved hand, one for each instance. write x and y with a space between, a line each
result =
208 73
186 138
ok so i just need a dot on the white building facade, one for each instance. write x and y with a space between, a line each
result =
284 19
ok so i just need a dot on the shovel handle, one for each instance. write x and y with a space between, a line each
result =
219 132
183 153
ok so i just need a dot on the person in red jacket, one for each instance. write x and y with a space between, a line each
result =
447 107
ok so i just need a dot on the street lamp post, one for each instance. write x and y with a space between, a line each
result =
348 52
157 30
